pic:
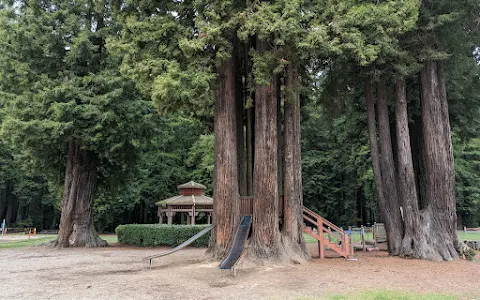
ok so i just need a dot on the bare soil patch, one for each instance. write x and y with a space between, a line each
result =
121 273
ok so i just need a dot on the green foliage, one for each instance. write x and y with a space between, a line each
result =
201 161
62 86
467 174
157 47
177 153
337 175
160 235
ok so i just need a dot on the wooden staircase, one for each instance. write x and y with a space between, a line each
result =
327 234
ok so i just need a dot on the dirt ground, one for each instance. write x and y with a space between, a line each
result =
121 273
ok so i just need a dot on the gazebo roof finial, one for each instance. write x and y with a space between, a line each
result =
191 185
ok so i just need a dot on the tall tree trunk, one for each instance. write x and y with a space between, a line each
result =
416 137
250 120
11 211
374 153
76 221
280 137
450 170
3 201
250 136
392 217
292 232
226 213
439 215
240 100
413 240
266 234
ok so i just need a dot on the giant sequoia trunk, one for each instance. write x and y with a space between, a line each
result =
226 192
439 214
76 222
266 242
292 233
413 240
392 215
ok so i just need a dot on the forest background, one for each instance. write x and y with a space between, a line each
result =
150 138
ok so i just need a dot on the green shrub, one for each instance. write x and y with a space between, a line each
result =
146 235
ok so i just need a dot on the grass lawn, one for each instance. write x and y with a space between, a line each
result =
386 295
463 236
110 238
468 236
355 238
25 243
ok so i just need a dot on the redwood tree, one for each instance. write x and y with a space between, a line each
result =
71 109
292 231
266 243
392 216
226 184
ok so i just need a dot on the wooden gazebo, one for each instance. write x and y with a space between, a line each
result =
189 203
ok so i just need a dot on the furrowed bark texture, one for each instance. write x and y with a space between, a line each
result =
76 221
266 243
292 232
439 216
393 218
413 240
250 137
372 136
226 191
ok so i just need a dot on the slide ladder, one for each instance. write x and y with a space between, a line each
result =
238 244
183 245
327 234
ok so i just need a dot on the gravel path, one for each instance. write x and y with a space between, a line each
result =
120 273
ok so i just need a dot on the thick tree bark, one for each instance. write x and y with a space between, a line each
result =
439 215
450 171
292 233
413 240
266 241
374 153
76 221
226 212
393 218
250 136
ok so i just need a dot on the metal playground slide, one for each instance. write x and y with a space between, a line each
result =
238 243
183 245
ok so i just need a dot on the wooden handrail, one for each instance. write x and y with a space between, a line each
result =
326 227
324 222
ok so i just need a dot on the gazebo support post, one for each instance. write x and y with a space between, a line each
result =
170 214
160 215
192 215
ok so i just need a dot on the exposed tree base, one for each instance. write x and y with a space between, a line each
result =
284 252
430 241
297 252
217 251
81 236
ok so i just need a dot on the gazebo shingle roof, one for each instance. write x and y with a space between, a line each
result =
186 200
191 185
191 194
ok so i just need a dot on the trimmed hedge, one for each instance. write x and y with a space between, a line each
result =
147 235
